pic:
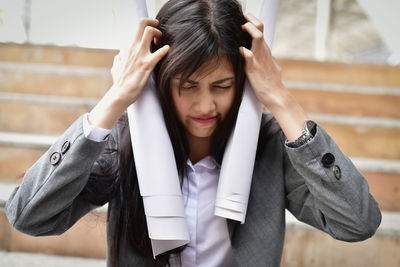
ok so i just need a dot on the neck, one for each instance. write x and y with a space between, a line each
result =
199 148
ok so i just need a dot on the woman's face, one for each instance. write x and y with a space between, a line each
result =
205 98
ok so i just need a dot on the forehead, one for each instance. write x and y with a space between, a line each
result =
212 70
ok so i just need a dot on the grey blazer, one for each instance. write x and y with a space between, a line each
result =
316 182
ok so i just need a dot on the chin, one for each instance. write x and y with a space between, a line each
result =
202 134
205 135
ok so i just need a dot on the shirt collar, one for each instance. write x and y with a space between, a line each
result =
207 162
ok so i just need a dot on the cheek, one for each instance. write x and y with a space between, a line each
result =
180 110
180 106
228 101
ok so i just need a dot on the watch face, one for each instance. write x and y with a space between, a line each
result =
310 127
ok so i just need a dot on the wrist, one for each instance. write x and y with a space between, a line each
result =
107 110
278 100
119 97
289 114
307 134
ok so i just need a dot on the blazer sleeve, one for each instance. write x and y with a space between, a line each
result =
324 189
48 201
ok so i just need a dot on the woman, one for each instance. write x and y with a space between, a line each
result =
201 53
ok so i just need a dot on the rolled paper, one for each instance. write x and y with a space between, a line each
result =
268 13
238 162
156 168
158 185
141 9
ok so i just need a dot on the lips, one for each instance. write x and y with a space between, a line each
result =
204 120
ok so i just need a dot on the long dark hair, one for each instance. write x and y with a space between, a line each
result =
197 31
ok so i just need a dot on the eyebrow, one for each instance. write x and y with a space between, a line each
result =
216 82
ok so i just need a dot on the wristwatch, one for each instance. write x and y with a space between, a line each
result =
307 134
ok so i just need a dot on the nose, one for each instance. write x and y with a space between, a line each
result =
205 104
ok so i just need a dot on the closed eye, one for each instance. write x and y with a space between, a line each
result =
223 87
187 87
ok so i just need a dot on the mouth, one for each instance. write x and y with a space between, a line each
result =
204 120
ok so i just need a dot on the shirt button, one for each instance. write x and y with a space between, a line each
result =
337 172
65 147
327 160
55 158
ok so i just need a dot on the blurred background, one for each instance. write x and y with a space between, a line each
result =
340 59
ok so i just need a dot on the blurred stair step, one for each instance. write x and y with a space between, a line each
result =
40 118
385 187
18 259
305 246
341 73
86 238
50 54
363 137
5 192
15 161
26 140
59 80
350 104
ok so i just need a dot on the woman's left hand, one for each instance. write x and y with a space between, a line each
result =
264 75
261 68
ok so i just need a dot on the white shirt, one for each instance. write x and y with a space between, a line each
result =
209 237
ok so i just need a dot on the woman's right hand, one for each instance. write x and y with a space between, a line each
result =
132 67
131 70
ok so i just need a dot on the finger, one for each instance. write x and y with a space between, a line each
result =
149 34
131 41
256 34
247 55
142 26
253 19
159 54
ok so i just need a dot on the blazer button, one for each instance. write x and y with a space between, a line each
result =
55 158
337 172
65 147
327 160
